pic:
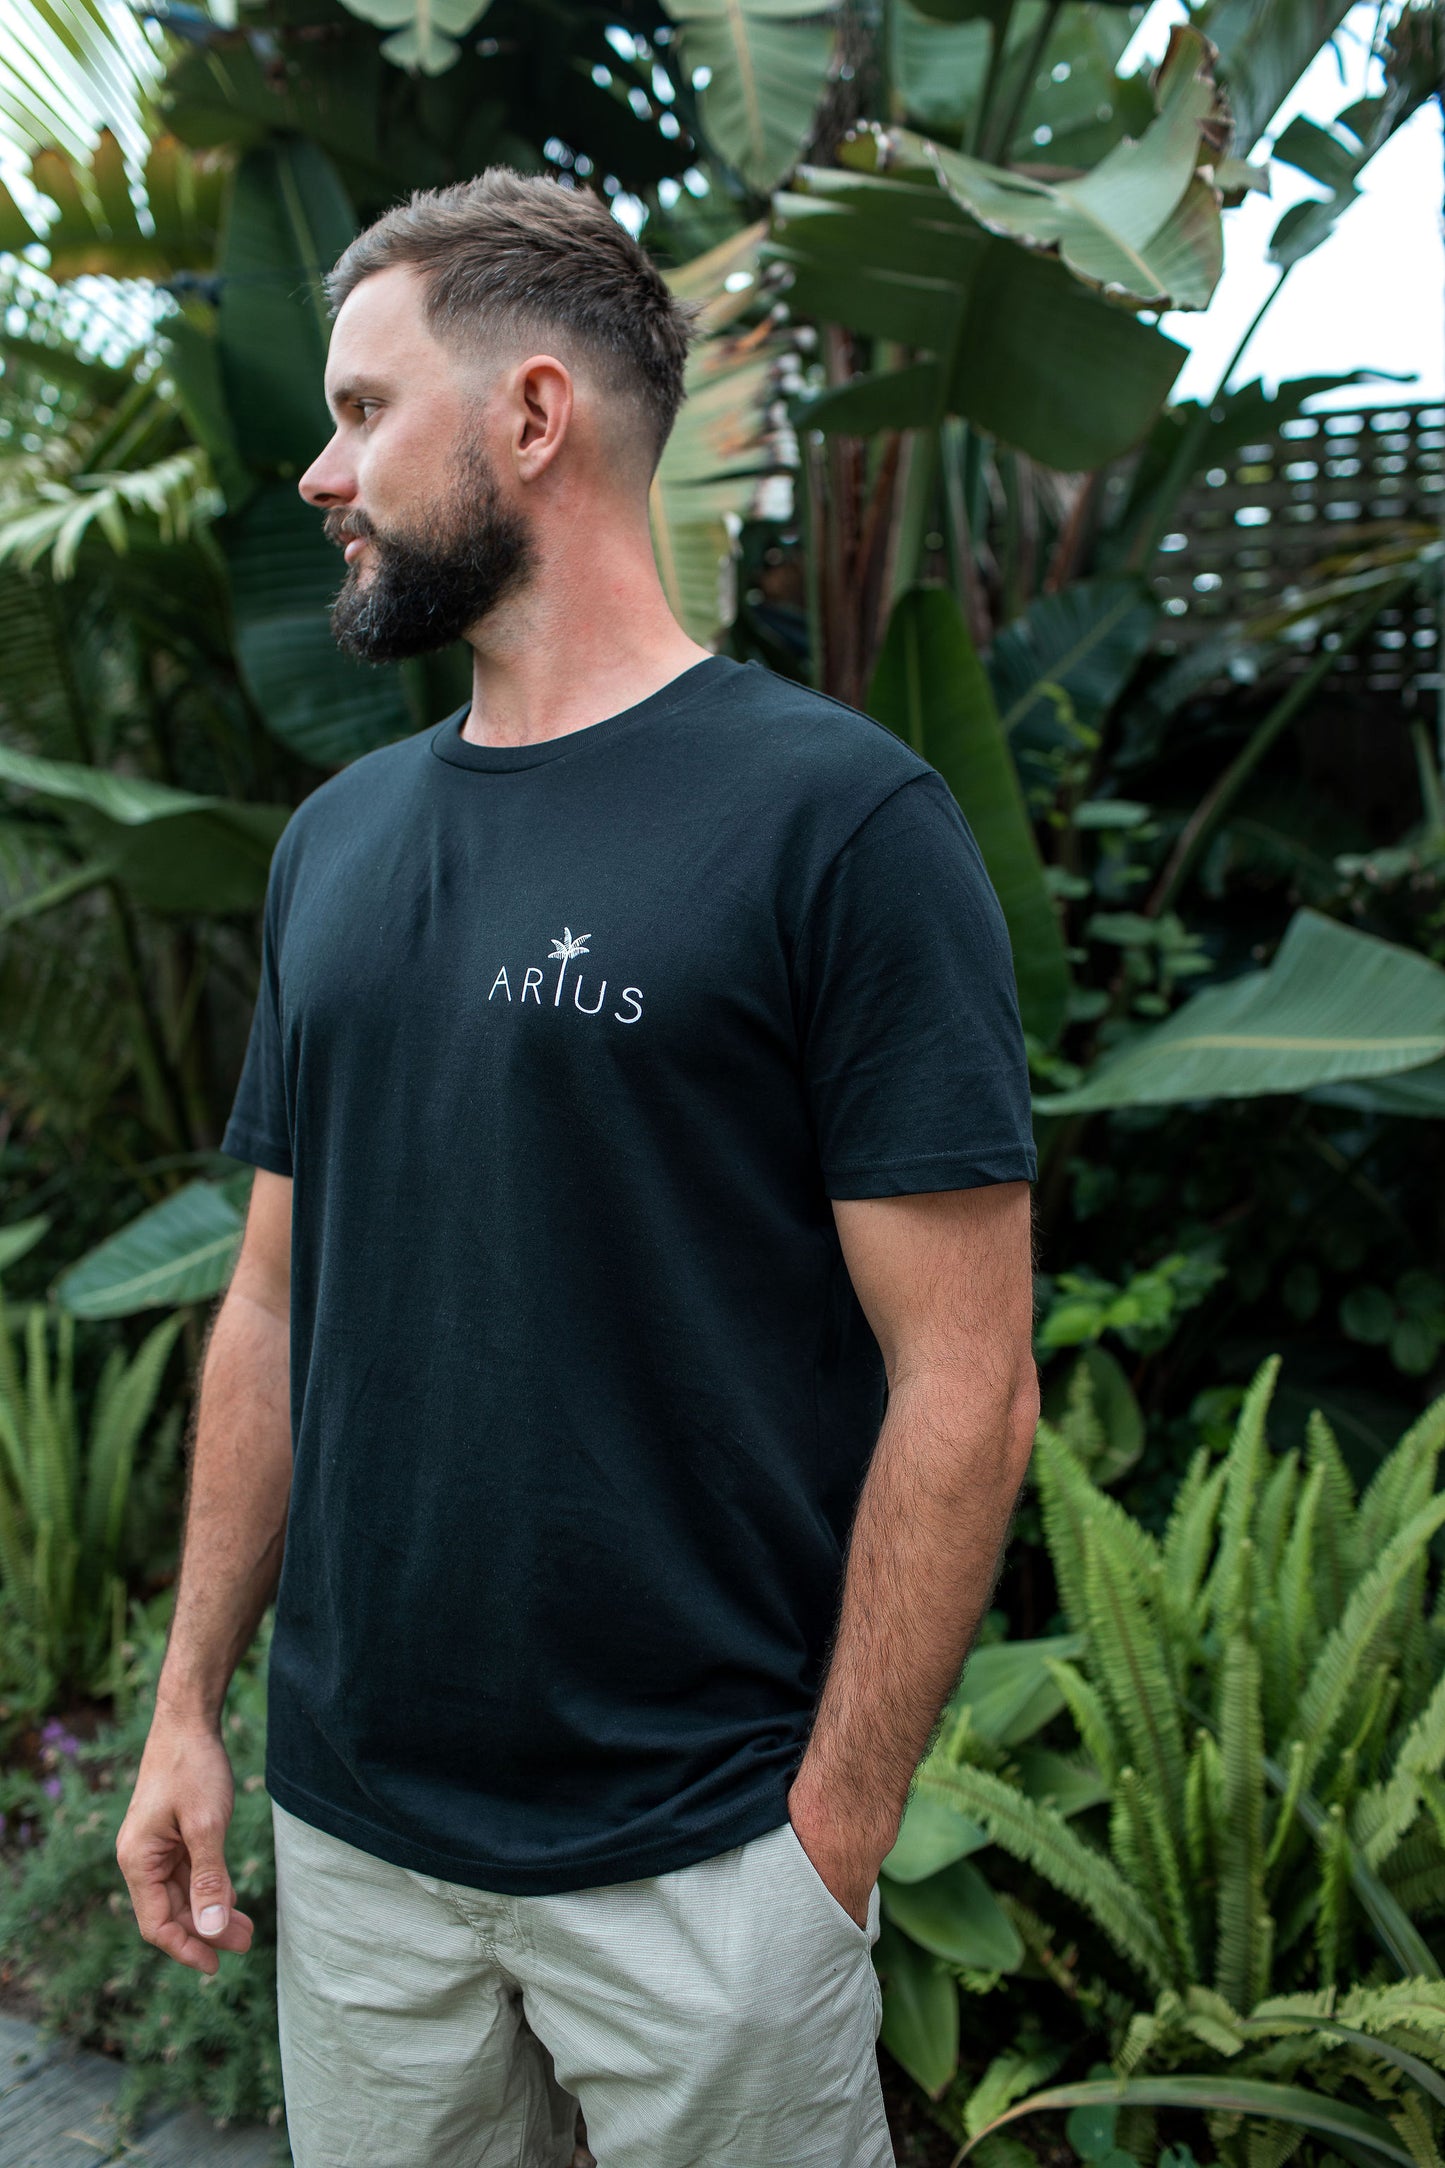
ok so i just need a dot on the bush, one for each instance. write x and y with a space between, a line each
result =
67 1925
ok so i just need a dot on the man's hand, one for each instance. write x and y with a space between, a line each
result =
171 1847
846 1855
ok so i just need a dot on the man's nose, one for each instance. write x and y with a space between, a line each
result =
328 481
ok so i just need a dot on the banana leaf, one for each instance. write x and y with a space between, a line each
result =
1264 48
1018 346
181 1250
769 63
284 577
931 689
1142 225
1068 658
1216 2095
289 220
1419 1092
424 32
1335 1003
171 849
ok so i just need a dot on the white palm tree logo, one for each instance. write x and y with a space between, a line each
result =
567 947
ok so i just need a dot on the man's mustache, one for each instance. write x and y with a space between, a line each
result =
340 528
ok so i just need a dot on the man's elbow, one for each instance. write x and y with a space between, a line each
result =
1022 1423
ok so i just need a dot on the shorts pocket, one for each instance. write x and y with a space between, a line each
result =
823 1893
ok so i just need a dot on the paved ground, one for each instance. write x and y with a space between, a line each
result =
57 2111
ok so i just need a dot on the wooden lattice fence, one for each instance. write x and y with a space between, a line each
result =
1254 531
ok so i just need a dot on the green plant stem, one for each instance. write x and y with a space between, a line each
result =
1000 30
1216 802
915 511
999 138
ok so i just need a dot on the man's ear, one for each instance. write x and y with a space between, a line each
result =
542 403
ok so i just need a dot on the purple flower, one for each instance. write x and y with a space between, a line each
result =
56 1739
52 1785
24 1832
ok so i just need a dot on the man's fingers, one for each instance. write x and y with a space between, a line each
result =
210 1894
187 1948
235 1935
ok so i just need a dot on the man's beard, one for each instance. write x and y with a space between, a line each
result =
425 591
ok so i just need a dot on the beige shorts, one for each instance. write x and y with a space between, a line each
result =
721 2016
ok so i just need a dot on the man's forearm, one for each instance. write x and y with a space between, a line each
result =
235 1525
922 1558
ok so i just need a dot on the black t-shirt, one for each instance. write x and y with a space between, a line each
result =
566 1047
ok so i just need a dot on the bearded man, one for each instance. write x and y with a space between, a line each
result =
626 1379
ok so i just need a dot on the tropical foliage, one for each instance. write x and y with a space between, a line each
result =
1184 1822
71 1494
1246 1835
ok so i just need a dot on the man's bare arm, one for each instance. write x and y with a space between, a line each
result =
946 1282
171 1844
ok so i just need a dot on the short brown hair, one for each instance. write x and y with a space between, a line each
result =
519 253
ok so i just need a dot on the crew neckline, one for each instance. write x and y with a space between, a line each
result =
459 752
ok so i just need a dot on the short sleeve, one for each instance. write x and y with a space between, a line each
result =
259 1129
912 1048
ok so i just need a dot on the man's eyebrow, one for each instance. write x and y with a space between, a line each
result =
355 387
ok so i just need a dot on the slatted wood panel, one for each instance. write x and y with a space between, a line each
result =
1255 530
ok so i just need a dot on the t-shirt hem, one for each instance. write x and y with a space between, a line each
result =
932 1170
238 1142
633 1863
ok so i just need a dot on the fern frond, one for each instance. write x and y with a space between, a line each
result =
1403 1482
1337 1560
1412 2122
1152 1846
1334 1901
1186 1547
1244 1927
1203 1796
1284 1821
1244 1472
1043 1840
1127 1662
1293 1639
1351 1646
1072 1503
1274 1517
1090 1717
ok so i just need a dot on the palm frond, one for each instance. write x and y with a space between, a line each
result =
174 495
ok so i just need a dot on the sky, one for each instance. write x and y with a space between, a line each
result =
1373 295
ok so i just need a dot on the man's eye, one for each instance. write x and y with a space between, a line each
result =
364 407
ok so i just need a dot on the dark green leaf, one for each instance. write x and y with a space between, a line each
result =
955 1914
930 688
